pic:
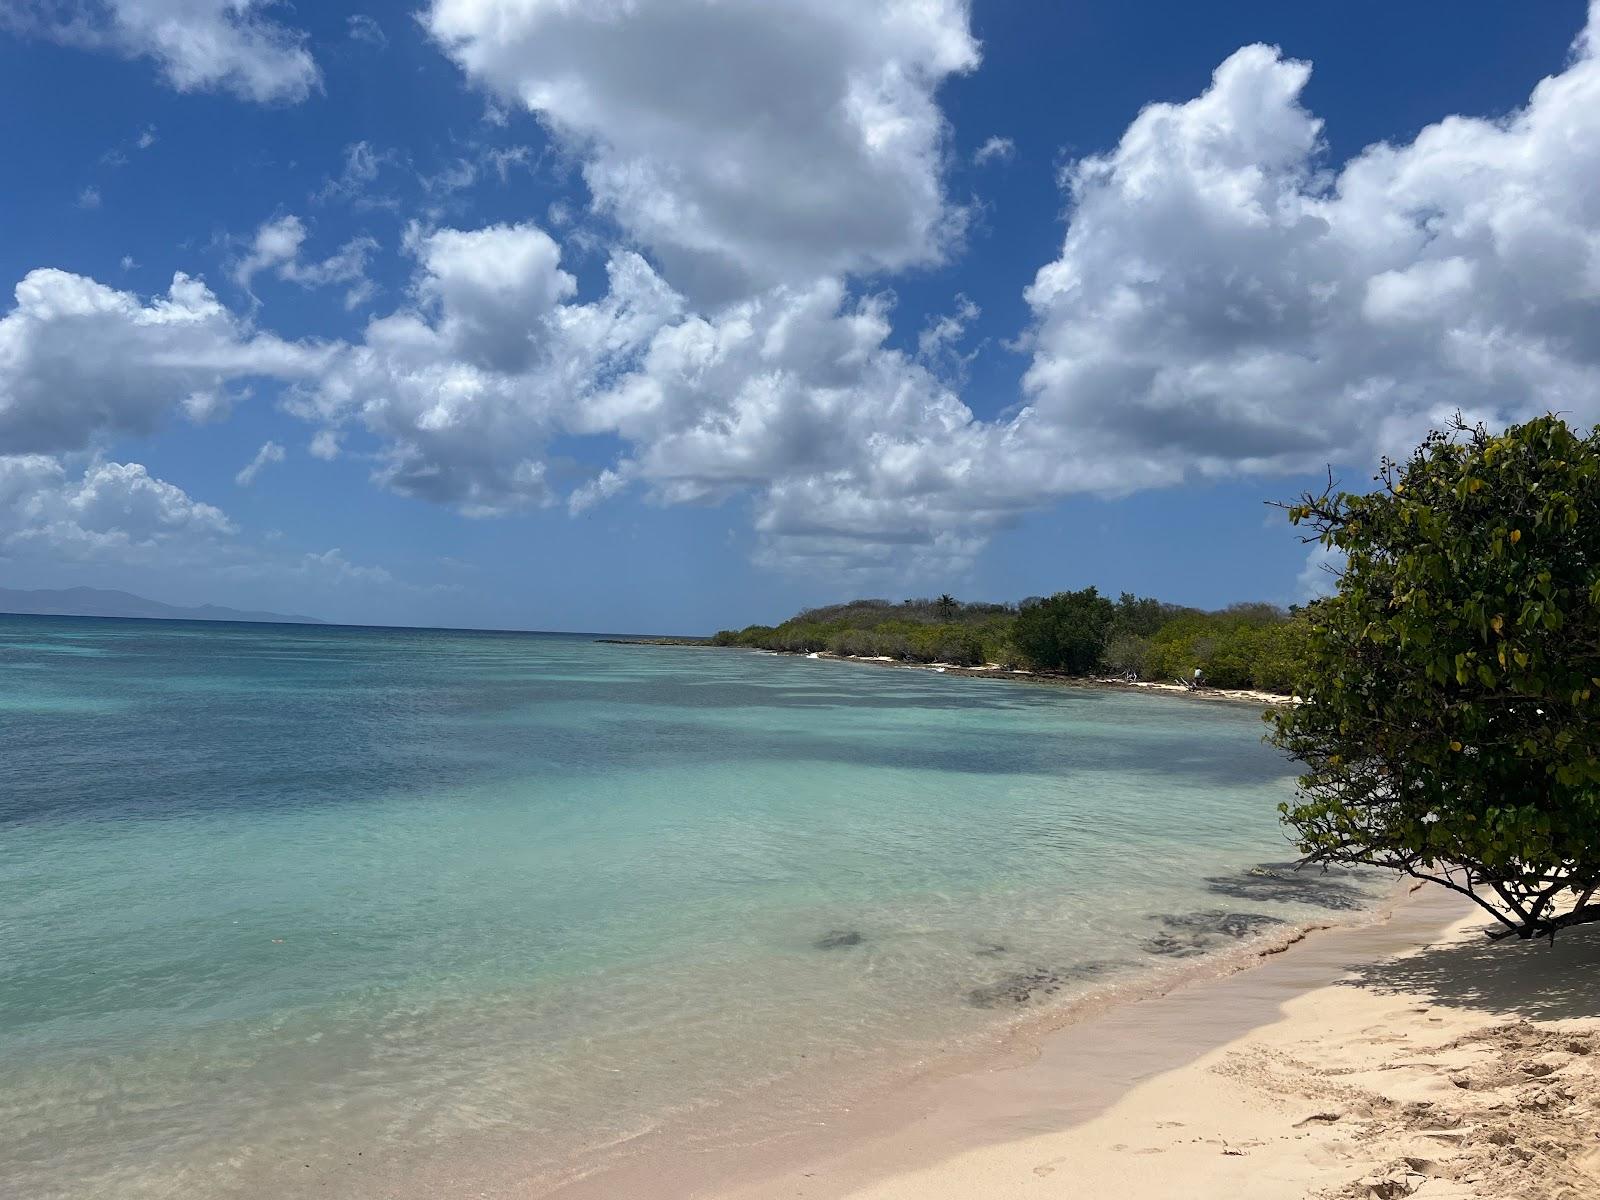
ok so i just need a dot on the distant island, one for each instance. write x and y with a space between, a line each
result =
104 602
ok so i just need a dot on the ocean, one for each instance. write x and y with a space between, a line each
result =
280 903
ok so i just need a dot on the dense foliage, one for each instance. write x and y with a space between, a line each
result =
1451 724
942 630
1066 632
1248 645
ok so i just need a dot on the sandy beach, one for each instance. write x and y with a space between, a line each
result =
1408 1057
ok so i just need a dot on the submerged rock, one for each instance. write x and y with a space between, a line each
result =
1021 986
1016 988
1287 883
991 950
1186 934
836 939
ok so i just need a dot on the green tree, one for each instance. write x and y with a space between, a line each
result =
1066 632
1280 653
1450 726
1126 653
1140 616
947 606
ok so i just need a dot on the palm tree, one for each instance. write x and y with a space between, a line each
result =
947 605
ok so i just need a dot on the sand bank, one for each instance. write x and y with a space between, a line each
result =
1406 1058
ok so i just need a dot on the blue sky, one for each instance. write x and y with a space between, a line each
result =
670 316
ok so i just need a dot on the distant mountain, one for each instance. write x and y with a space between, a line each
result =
101 602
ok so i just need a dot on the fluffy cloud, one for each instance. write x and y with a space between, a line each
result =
465 387
200 45
78 359
745 144
795 397
276 243
111 511
792 396
118 513
1223 304
494 290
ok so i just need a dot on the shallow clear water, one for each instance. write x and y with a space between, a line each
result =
272 894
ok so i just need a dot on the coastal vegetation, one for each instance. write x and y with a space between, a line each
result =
1450 726
1072 633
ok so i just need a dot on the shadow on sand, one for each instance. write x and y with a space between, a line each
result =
1534 980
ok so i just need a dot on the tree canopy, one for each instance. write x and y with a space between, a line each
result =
1244 645
1066 632
1450 724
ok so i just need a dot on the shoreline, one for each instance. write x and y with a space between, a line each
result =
795 1129
992 671
1337 1063
921 1116
810 1122
1046 679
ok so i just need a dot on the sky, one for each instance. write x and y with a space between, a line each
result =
676 315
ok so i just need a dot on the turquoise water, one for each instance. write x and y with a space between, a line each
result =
276 896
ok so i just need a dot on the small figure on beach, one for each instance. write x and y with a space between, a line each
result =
1199 677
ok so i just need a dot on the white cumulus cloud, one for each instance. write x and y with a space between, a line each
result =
79 359
111 511
792 396
466 386
200 45
746 144
1224 302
